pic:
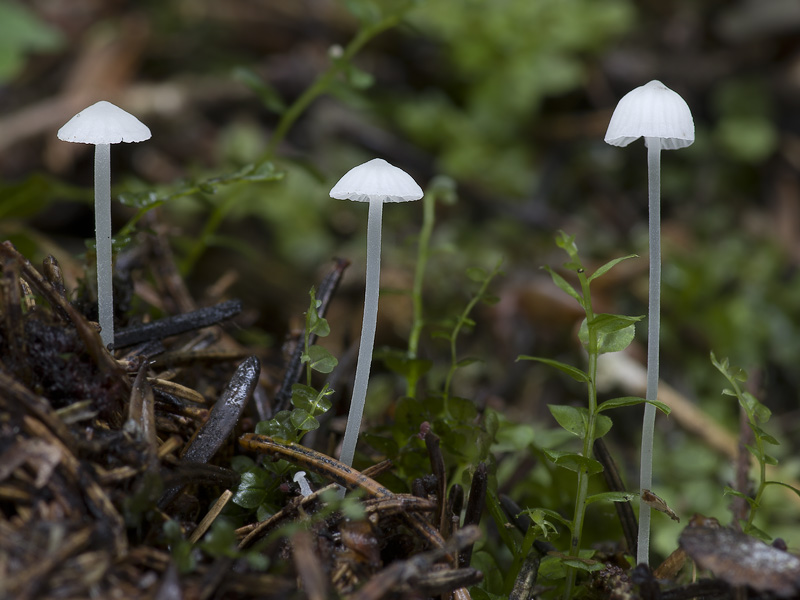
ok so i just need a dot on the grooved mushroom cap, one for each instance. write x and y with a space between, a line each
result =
376 180
103 123
651 111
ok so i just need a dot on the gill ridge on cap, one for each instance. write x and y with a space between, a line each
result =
103 123
651 111
376 180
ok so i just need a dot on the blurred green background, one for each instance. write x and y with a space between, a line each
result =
508 102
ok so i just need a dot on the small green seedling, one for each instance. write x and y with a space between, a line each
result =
599 333
757 414
258 487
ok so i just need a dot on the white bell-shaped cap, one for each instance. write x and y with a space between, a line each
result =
652 111
103 123
376 180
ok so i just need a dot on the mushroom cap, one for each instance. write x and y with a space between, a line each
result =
103 123
651 111
376 180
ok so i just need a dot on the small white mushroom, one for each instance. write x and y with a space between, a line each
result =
300 479
376 182
103 124
663 118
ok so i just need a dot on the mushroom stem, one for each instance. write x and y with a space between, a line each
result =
368 326
653 328
102 217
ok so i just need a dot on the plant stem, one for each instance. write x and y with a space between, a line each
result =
418 320
653 327
423 250
762 479
463 319
102 220
323 82
588 440
368 326
318 88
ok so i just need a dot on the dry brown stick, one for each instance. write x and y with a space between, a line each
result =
439 471
19 584
96 499
475 504
251 533
308 566
39 407
142 416
90 336
627 519
223 418
338 473
408 570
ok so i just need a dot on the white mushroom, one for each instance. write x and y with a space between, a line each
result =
300 479
103 124
375 182
663 118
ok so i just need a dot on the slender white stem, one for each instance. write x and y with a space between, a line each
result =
367 332
653 328
102 221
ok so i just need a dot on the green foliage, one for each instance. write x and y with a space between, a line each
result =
599 333
463 320
502 62
757 414
22 32
258 486
146 200
219 541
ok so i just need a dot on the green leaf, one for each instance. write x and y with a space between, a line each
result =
567 243
729 491
241 463
490 300
303 420
462 410
321 360
266 171
220 540
786 485
765 437
756 532
303 396
268 95
386 446
532 513
614 332
410 368
631 401
477 274
612 497
251 492
21 32
481 594
573 462
563 285
279 426
573 372
608 266
588 566
465 362
140 199
602 425
576 420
